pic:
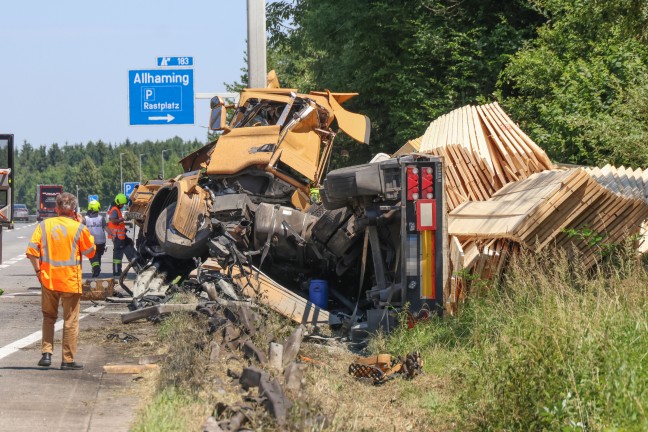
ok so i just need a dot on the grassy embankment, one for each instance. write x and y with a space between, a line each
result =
551 348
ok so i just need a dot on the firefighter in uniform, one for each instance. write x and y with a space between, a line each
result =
117 232
55 250
97 226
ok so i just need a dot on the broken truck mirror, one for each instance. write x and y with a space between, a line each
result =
217 118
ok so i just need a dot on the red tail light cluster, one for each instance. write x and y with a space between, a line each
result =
412 183
427 183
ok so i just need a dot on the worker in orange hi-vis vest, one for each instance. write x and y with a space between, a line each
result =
55 251
122 244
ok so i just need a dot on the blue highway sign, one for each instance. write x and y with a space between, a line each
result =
129 187
174 61
161 96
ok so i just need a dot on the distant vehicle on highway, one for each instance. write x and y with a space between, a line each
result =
46 200
21 213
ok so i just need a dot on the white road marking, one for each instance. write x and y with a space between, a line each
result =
11 348
12 261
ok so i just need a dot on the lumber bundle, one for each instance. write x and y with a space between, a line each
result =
622 181
504 194
483 151
627 182
550 207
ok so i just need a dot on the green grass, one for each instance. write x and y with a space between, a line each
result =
551 348
172 411
180 403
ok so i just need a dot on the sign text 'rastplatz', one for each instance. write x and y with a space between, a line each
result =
161 97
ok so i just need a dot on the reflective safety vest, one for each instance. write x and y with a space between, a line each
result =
116 229
59 243
96 225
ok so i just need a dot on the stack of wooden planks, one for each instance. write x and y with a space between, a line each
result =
622 181
627 182
483 150
504 194
552 207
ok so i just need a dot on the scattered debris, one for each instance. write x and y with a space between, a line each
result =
151 311
126 338
382 367
128 368
97 289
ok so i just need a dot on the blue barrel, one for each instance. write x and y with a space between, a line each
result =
318 292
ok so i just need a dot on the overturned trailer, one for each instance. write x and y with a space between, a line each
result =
244 202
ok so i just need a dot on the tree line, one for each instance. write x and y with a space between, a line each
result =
94 168
573 73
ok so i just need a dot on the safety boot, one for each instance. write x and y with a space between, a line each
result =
71 366
117 270
46 360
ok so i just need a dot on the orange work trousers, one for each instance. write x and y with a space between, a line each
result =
71 305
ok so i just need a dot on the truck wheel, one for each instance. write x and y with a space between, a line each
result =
175 244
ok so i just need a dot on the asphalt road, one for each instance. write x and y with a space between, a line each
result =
33 398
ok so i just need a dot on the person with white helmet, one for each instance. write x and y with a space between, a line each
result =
97 226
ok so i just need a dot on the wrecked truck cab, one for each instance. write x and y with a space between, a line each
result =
275 148
241 215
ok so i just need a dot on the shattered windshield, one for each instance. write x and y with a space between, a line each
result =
255 113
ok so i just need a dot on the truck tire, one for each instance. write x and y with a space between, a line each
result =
175 244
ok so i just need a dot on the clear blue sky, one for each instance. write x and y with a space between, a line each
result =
64 64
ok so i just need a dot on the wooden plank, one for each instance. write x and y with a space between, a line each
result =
609 179
492 152
128 368
630 220
539 152
501 152
591 218
551 204
278 298
633 182
480 134
427 141
506 124
467 174
512 147
484 162
484 177
572 209
498 150
619 176
638 175
644 176
452 135
606 217
454 179
617 233
511 174
460 127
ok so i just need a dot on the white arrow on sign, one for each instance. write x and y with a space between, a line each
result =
167 117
